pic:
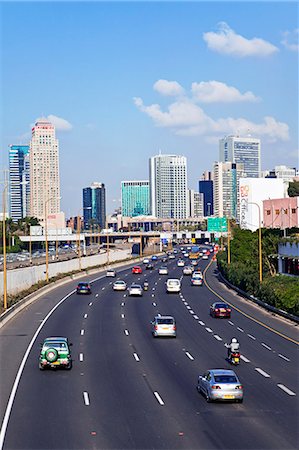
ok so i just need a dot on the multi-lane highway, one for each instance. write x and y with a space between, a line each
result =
127 390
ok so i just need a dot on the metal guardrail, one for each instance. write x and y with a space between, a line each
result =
259 302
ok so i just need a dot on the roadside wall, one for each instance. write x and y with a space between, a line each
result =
20 279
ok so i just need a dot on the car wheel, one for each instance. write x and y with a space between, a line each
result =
69 365
240 400
51 355
41 367
208 398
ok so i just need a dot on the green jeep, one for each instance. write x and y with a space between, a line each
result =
55 352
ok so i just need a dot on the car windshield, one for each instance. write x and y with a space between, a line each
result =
56 345
165 321
83 284
221 305
135 286
173 282
225 379
119 282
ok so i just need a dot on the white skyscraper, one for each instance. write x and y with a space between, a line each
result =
44 170
168 186
226 188
246 150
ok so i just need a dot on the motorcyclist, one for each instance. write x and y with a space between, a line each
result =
233 347
145 285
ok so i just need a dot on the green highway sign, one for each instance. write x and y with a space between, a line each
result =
217 224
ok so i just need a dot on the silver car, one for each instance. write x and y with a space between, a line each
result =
188 270
220 384
119 285
163 326
135 289
111 273
163 270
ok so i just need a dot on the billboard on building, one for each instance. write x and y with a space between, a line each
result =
252 193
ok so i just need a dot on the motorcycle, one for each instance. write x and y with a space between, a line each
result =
234 358
145 286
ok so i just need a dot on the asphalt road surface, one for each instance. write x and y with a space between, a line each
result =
128 390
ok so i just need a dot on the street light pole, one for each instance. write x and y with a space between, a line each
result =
260 242
4 251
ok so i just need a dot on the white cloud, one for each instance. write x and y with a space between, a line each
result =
226 41
290 40
216 91
168 88
188 119
60 123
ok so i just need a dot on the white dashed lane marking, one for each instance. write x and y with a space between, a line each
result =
136 357
82 332
285 389
188 307
86 398
97 295
201 322
251 337
209 330
122 316
126 332
283 357
230 322
154 304
85 316
217 337
191 311
81 357
240 329
189 356
90 304
156 394
244 359
266 346
103 288
196 317
265 374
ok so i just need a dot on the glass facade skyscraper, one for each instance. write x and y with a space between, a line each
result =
245 150
94 206
135 198
206 188
19 182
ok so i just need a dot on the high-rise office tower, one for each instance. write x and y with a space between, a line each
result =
19 187
246 150
168 186
44 170
94 205
226 188
205 187
195 203
135 198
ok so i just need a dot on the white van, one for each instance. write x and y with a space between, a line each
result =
173 285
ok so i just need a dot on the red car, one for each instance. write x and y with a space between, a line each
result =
220 310
136 269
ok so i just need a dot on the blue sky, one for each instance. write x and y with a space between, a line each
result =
122 81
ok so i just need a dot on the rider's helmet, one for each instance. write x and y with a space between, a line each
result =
234 340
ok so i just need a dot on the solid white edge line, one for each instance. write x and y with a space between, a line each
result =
285 389
156 394
284 357
190 356
21 368
265 374
86 398
136 357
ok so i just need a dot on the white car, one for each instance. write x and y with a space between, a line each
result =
111 273
135 289
163 326
146 261
205 256
180 263
119 285
188 270
173 285
163 270
171 256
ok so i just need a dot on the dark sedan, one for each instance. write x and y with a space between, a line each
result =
83 288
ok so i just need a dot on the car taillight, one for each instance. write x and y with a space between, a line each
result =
216 310
228 310
239 386
174 327
156 327
215 386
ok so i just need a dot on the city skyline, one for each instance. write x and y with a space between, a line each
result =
123 83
